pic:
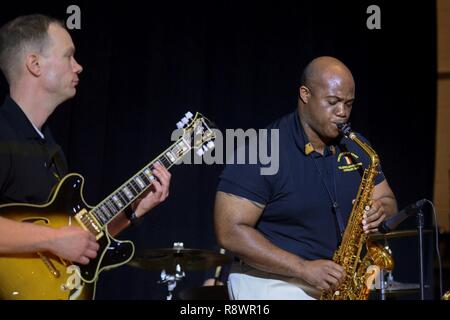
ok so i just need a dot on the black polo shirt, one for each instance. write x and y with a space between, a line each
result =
298 215
29 165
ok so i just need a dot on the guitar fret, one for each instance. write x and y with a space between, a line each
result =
105 210
128 193
170 157
148 173
161 161
100 216
115 205
123 197
140 182
111 206
103 217
115 199
166 161
144 178
135 186
132 189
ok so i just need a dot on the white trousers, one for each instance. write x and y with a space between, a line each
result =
247 283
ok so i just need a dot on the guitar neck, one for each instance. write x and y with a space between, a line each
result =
128 192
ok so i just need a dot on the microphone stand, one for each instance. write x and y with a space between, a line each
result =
420 223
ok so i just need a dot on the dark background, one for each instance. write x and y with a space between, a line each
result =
239 63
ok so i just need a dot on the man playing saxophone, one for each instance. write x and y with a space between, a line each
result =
284 228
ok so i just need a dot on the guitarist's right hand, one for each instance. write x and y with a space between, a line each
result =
74 244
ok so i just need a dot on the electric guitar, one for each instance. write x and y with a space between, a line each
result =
43 275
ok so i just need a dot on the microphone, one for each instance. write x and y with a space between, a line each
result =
392 223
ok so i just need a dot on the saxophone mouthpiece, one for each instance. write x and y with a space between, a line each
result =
344 128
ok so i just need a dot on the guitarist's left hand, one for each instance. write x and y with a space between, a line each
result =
157 193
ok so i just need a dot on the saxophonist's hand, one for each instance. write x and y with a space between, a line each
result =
373 216
323 274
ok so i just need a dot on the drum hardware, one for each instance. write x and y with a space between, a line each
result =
175 261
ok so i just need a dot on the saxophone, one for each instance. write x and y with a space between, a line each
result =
359 272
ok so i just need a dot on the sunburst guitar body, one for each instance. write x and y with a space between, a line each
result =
42 275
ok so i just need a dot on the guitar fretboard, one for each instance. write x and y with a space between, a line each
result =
106 210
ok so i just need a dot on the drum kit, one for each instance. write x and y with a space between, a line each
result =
174 262
396 234
385 286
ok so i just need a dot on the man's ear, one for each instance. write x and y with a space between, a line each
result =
33 64
304 94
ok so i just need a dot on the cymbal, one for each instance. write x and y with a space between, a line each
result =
397 234
188 259
399 288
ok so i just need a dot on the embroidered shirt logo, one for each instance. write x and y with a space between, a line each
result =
348 161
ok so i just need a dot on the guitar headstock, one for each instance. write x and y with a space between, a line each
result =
198 130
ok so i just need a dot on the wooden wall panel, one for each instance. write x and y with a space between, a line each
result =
443 17
442 169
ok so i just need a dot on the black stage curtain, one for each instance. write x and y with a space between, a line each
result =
239 63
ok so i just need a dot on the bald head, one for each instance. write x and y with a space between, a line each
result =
326 96
324 71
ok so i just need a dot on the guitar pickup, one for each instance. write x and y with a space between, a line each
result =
89 223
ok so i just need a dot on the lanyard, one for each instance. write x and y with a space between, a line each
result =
335 205
333 199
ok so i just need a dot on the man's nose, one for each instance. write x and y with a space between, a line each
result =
341 110
77 68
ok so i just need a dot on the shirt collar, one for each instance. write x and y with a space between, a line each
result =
302 141
19 121
38 131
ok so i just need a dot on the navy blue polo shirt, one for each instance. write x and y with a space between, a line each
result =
298 215
30 166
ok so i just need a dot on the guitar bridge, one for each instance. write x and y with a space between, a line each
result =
88 222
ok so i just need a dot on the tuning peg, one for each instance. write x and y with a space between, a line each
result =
200 152
189 115
180 125
199 130
184 120
211 144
